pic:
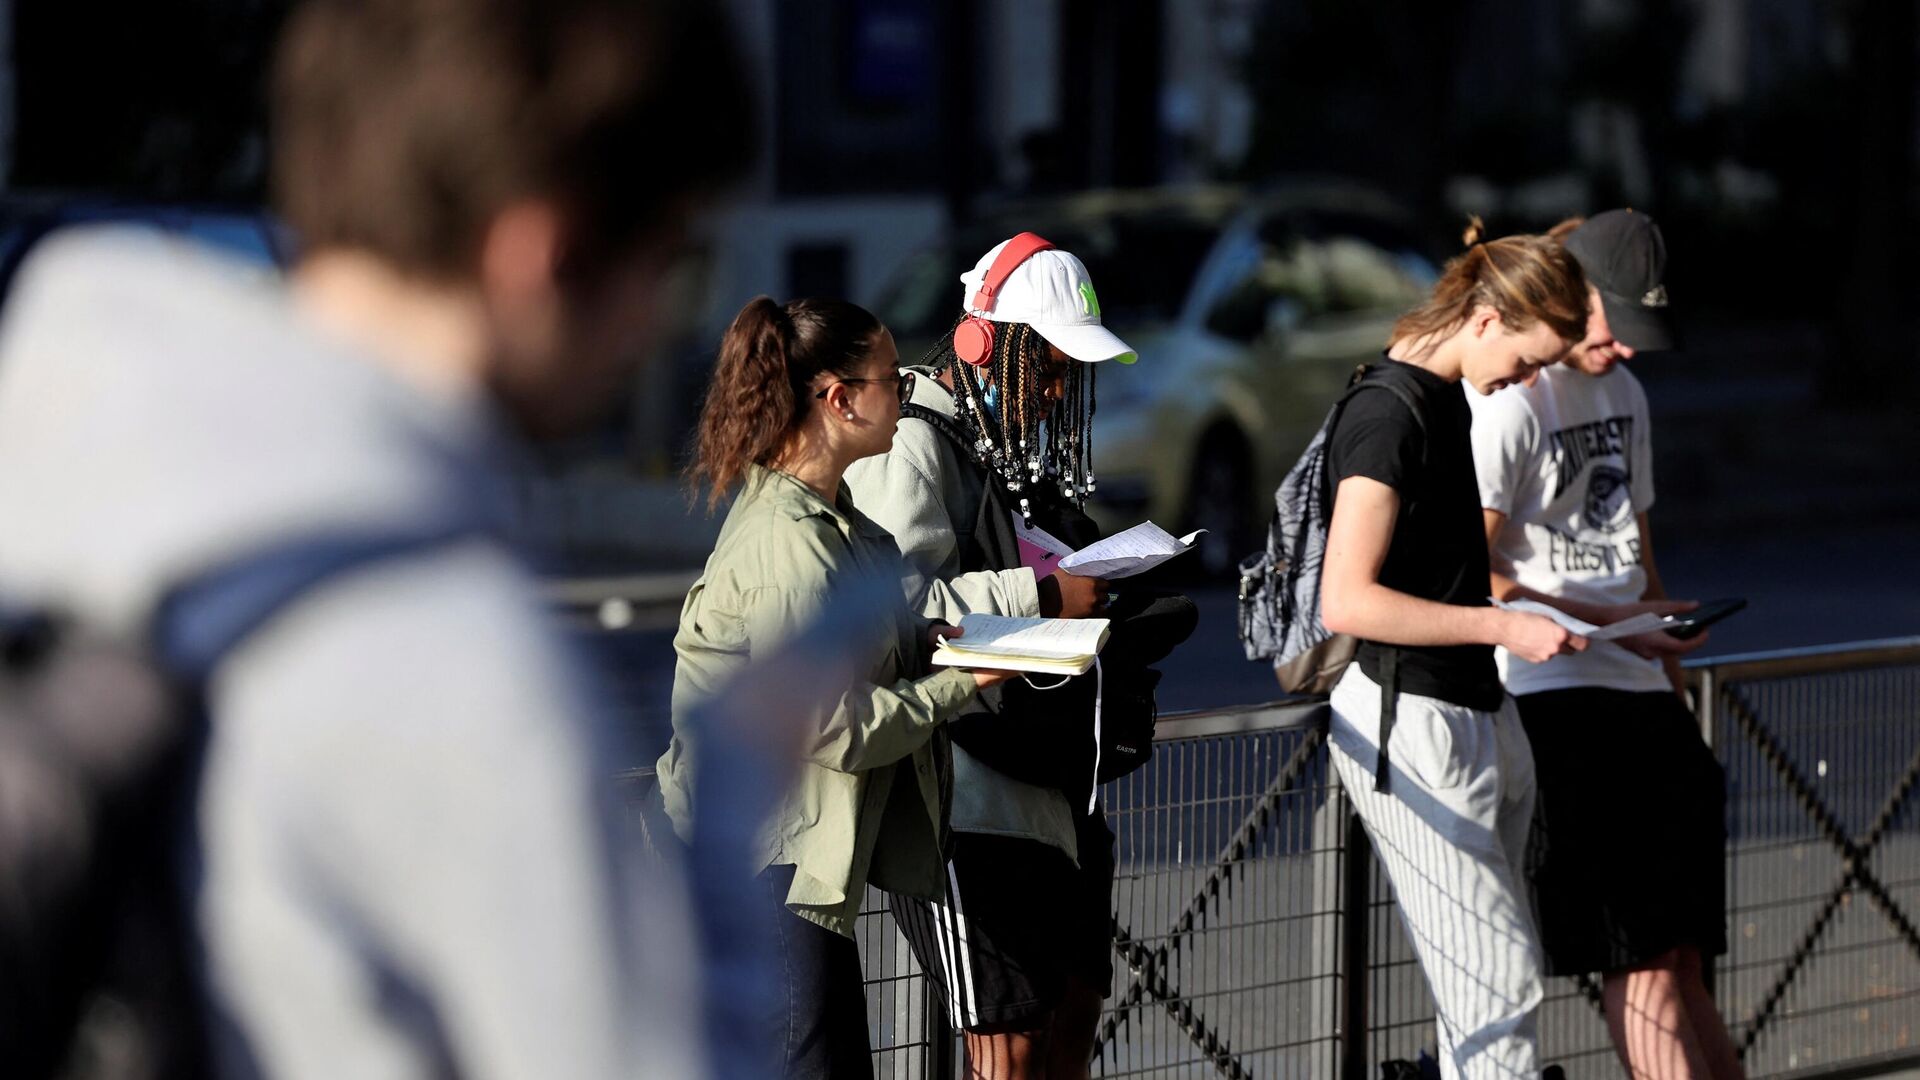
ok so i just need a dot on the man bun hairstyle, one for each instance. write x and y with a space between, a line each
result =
1526 279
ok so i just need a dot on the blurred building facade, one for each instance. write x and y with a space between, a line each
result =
888 119
1758 123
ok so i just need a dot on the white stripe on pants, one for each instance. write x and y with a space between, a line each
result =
1451 831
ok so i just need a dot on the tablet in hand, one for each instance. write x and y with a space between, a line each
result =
1689 624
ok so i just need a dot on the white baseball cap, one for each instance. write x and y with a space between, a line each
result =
1052 293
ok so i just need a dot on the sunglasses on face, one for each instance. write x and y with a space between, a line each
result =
904 379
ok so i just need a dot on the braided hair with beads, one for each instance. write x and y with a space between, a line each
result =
1000 407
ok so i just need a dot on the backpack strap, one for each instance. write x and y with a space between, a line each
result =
942 424
1389 710
994 546
204 618
1360 382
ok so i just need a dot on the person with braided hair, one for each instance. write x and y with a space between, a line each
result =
997 441
1039 427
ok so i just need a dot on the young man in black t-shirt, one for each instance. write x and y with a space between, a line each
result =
1427 745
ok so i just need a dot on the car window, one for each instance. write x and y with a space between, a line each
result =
1142 266
1361 277
1372 264
1280 277
923 296
1302 267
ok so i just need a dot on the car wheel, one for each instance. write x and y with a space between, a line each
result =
1219 501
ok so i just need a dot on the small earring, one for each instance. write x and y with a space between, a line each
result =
847 415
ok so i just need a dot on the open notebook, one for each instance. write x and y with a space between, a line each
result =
1053 646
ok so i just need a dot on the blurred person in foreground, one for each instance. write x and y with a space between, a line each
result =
1624 884
1428 746
800 391
404 856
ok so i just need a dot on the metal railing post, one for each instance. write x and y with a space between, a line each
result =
1705 689
1706 693
1356 897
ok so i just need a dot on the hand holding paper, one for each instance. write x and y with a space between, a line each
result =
1065 595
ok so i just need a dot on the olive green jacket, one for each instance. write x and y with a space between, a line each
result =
851 816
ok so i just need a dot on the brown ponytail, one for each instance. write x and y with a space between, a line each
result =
1527 279
762 387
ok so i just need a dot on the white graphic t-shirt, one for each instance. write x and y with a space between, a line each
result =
1570 462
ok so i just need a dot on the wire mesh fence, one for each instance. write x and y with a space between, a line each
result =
1254 937
1226 914
1822 750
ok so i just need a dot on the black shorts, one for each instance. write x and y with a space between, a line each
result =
1628 854
1019 918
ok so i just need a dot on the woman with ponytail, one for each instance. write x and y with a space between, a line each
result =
799 393
1428 746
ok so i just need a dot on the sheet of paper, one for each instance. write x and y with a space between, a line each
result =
1125 554
1003 635
1638 624
1535 607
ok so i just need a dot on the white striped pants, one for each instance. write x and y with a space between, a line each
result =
1452 833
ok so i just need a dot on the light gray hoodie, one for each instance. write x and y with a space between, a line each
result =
928 497
412 863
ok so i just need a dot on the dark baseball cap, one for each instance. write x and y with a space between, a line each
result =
1625 257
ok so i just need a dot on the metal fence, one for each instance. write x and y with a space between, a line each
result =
1254 936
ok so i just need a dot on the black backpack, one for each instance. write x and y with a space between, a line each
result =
100 743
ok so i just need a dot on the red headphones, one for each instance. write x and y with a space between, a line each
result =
973 338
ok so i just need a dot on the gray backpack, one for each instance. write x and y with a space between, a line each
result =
1280 587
